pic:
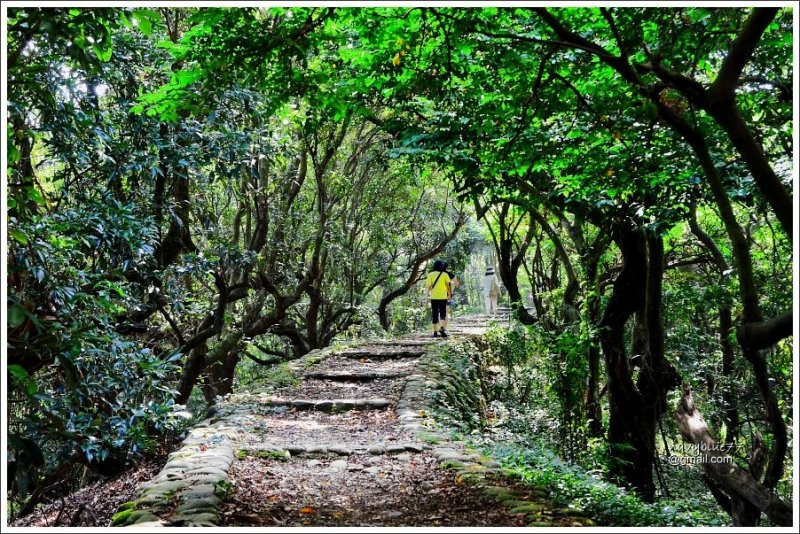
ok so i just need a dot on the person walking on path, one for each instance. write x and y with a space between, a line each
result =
491 290
454 283
438 288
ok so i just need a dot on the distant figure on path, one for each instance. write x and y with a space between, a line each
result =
454 283
491 290
438 289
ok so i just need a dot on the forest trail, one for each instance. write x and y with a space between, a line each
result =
345 444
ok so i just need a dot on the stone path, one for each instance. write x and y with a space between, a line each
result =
349 444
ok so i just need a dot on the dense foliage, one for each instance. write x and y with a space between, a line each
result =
193 188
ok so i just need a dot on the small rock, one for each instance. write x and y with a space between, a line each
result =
393 514
376 449
313 463
296 450
208 470
185 518
338 465
457 464
140 516
302 405
444 450
372 470
405 457
341 451
448 455
324 406
163 487
206 504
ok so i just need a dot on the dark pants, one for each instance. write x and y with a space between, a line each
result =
438 310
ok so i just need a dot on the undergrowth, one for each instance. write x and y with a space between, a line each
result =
512 413
573 486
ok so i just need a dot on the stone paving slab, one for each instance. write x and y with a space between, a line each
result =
374 354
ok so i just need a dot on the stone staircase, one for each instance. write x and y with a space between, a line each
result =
353 417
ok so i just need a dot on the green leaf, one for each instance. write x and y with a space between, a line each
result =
103 54
143 18
33 194
16 316
22 376
18 235
17 371
13 154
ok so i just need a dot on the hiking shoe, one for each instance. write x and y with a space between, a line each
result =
436 334
442 332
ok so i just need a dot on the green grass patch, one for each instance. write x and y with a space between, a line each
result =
430 439
281 376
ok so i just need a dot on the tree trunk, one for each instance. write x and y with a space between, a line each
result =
508 274
194 365
634 409
629 435
731 411
738 485
222 363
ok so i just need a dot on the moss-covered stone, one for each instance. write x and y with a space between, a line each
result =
526 508
501 493
130 505
274 454
121 518
453 464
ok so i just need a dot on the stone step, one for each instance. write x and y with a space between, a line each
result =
332 405
389 354
400 343
344 376
274 451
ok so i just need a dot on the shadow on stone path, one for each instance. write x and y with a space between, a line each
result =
347 445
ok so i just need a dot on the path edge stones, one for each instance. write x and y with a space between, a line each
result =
191 487
415 412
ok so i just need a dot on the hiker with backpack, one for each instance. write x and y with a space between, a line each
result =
438 290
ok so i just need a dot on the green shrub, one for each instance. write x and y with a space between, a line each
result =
571 486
